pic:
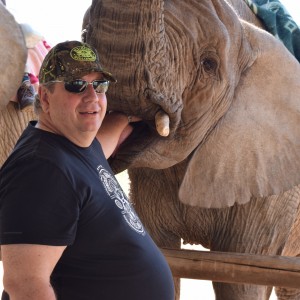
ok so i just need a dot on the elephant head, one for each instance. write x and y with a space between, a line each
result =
229 90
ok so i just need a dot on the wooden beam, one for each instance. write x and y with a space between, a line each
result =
235 267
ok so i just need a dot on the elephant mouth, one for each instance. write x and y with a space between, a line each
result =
149 144
145 135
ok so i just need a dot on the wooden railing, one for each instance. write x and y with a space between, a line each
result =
281 271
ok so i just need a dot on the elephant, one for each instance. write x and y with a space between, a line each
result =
12 59
216 158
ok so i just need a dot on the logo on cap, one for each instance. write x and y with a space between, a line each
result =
83 53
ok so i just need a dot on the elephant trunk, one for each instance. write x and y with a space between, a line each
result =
133 45
130 38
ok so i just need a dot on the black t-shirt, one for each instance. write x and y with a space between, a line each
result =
53 192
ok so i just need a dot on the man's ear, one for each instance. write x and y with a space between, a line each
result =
44 98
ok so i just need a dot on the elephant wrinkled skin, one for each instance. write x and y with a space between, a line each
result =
227 175
12 57
12 63
12 123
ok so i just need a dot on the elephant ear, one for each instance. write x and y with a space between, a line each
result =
254 151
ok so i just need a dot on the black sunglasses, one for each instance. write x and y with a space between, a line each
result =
78 86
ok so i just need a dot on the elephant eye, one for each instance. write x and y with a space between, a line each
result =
209 65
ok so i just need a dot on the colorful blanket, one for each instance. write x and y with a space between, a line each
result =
278 22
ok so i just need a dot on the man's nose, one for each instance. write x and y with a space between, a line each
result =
90 94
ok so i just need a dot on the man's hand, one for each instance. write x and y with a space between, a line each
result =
114 130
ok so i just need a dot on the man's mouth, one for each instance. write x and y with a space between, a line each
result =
88 112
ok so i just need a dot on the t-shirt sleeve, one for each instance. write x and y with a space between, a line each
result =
38 205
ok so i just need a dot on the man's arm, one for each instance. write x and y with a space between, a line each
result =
27 269
114 130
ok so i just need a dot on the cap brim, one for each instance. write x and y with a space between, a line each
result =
108 76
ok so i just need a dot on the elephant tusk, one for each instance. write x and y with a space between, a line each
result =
162 122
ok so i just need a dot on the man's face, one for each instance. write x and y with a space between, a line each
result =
75 116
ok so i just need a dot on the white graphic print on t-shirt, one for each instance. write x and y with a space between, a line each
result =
116 193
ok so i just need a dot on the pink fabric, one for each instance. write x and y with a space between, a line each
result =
33 78
35 59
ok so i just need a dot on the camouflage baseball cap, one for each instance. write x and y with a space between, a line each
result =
70 60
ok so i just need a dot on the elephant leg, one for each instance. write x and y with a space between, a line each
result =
225 291
261 226
291 248
287 294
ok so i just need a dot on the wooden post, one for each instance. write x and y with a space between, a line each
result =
236 268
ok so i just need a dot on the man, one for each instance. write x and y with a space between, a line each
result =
67 230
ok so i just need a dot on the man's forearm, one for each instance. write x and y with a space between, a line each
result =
27 270
30 292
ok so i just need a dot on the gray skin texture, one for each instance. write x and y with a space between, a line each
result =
12 63
227 176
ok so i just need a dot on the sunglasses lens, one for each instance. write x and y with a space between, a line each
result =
100 86
76 86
